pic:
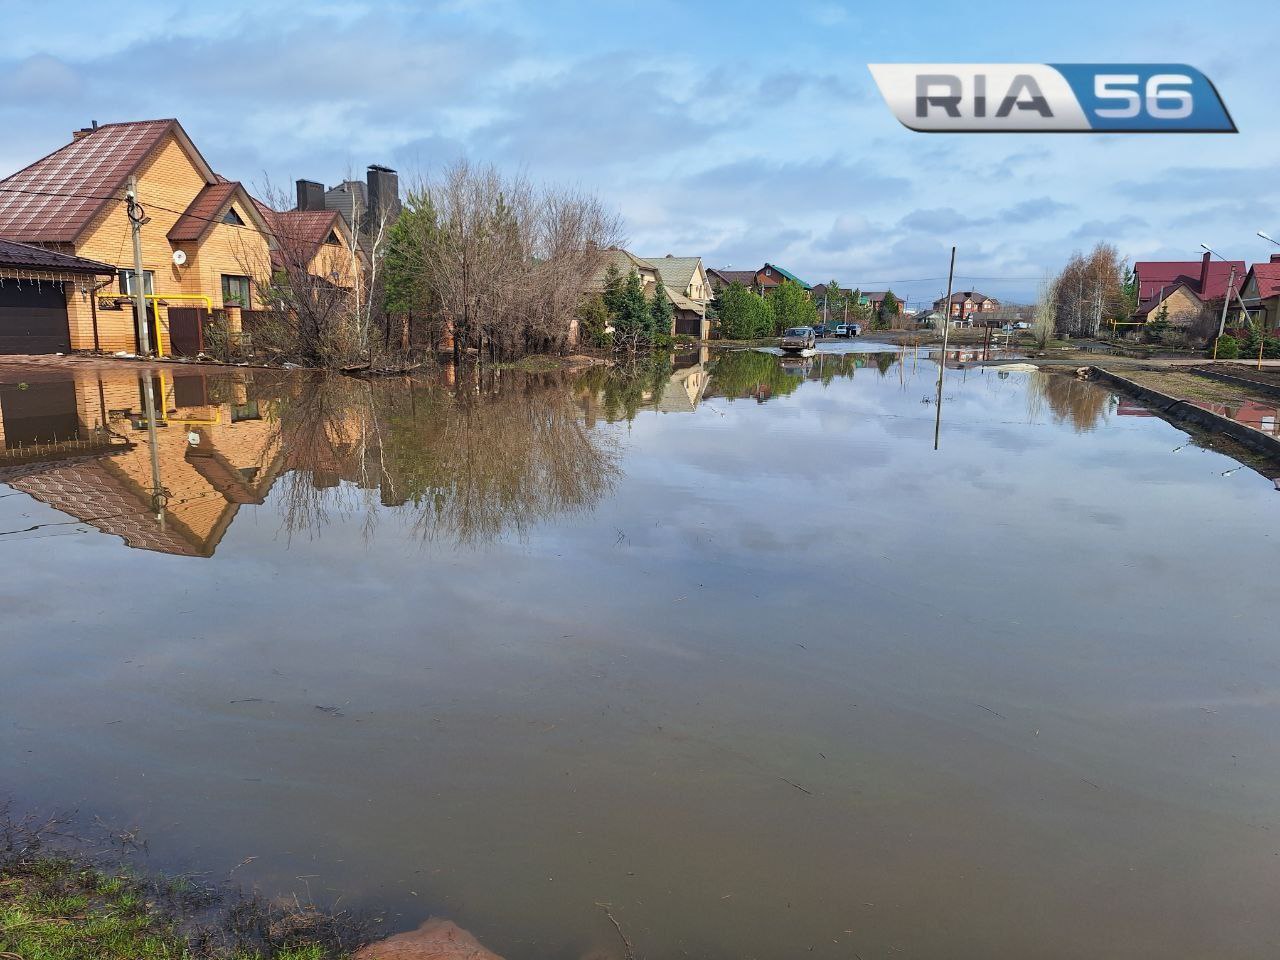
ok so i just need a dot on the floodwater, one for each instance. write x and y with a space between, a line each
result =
724 645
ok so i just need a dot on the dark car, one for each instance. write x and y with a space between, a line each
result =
820 330
799 338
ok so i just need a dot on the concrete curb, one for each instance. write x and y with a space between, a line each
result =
1176 409
1267 388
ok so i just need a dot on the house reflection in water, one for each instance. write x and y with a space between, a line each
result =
82 447
464 456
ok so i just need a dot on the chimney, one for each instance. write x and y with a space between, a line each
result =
384 195
83 132
310 195
1275 258
1204 274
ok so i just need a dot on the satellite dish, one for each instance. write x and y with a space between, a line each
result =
179 257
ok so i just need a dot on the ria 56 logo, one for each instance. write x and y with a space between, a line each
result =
1052 97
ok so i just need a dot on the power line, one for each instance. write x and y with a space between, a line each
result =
157 206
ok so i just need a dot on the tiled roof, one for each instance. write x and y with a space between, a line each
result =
680 301
1267 277
55 198
1156 275
203 212
625 261
299 233
960 296
676 271
745 277
23 256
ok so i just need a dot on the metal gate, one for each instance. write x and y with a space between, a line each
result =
33 317
186 331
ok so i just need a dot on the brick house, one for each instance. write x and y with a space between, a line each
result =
1185 289
203 230
771 275
1261 294
965 304
35 287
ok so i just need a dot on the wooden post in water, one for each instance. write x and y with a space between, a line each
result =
942 363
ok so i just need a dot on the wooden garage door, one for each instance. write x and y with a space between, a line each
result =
33 318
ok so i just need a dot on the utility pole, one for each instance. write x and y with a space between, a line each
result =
942 362
137 217
1222 321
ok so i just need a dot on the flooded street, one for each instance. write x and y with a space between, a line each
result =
721 643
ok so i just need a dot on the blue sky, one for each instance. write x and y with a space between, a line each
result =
738 131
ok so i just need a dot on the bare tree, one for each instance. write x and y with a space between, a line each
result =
1089 290
500 263
1045 318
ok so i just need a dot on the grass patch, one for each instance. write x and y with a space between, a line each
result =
56 905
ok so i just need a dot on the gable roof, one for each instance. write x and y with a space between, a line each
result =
301 233
787 274
960 296
676 272
745 277
1156 275
22 256
206 210
1163 294
625 261
680 301
1267 278
54 199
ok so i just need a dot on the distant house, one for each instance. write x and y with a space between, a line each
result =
362 202
965 304
875 299
679 276
1261 294
771 275
1184 289
201 232
721 278
689 288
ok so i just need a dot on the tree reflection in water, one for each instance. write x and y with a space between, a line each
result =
1069 400
473 454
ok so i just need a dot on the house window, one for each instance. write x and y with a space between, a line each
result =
232 217
235 290
768 272
333 238
148 282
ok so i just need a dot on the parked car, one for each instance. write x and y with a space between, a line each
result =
847 329
799 338
821 330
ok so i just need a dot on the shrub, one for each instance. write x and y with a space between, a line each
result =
1228 347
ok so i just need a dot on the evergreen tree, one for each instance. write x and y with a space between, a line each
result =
593 317
406 290
612 296
633 320
890 308
792 306
744 315
661 311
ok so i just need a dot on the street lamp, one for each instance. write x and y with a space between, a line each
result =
1231 282
1269 238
